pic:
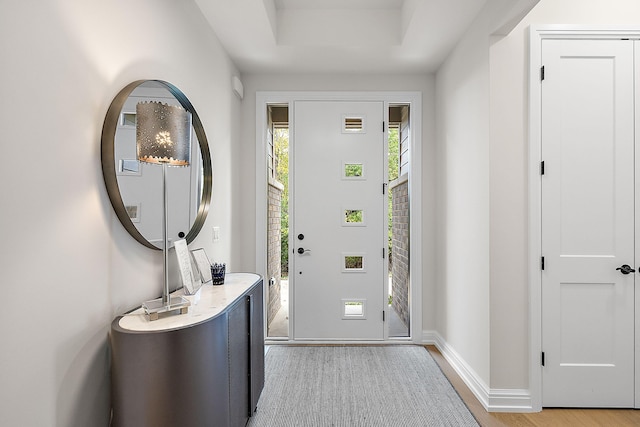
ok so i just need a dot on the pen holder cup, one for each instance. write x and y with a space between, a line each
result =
217 274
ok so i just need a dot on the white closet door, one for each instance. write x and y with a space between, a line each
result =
588 223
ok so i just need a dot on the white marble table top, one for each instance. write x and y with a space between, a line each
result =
213 301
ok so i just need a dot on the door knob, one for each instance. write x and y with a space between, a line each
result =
303 250
625 269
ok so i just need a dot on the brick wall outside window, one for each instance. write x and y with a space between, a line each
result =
400 250
273 250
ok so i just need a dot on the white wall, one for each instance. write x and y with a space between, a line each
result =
482 140
67 266
348 82
462 117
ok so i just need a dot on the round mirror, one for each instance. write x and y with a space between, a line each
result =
136 188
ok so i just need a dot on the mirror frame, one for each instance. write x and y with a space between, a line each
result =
109 165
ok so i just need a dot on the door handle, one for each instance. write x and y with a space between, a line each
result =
625 269
303 250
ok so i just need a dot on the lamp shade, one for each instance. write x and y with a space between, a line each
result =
163 134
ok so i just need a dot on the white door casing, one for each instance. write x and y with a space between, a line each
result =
332 301
412 98
587 223
636 48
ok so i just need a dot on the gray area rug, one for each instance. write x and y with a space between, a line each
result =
357 386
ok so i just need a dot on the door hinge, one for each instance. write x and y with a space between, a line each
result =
384 188
383 315
542 167
542 359
383 253
542 73
542 263
383 126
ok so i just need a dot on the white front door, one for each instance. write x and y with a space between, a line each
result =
588 223
339 228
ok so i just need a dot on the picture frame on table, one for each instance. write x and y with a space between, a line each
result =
203 264
190 277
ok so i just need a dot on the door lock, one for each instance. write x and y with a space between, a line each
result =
625 269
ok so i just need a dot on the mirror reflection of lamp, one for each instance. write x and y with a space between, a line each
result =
163 137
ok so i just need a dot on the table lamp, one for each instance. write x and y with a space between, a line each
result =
163 137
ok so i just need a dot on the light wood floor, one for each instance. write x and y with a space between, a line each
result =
548 417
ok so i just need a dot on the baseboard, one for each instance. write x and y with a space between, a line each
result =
493 400
510 400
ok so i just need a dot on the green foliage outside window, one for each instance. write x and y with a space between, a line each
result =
353 262
394 153
353 216
353 170
281 148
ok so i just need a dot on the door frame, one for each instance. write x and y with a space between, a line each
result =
414 99
537 33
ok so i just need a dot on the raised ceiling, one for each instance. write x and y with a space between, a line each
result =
346 36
